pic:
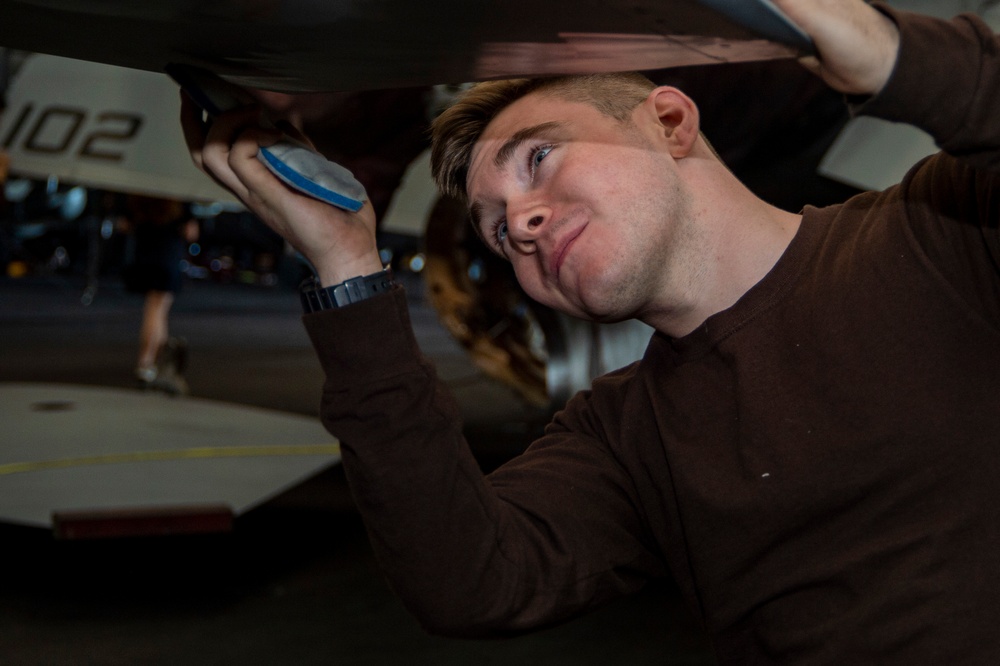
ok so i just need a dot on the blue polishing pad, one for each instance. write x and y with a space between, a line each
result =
308 172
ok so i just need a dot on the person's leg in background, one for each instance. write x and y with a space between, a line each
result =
153 334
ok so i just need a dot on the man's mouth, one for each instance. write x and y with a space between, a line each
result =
562 249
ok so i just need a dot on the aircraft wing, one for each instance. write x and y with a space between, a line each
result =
328 45
101 126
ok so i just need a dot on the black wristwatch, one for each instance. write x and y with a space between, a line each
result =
315 297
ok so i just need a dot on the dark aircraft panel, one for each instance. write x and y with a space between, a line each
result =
312 45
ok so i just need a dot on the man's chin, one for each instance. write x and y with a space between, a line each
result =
603 311
605 302
594 300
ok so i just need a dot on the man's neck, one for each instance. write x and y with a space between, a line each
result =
744 239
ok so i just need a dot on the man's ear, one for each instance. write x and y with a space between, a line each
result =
678 118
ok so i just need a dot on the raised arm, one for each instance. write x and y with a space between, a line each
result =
941 76
856 45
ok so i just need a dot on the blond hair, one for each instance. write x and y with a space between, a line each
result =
456 131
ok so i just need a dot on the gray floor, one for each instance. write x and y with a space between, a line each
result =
295 583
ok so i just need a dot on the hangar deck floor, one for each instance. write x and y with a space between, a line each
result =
295 582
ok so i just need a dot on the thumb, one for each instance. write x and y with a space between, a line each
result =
812 63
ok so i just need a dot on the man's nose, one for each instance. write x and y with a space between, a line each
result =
526 222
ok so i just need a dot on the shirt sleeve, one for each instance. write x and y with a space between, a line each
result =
947 82
552 533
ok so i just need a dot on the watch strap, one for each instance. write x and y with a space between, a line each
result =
316 298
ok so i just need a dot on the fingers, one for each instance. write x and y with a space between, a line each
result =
193 126
228 149
195 129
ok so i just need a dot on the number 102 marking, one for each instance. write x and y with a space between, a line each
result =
54 129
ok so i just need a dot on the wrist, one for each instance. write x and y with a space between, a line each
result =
887 45
329 274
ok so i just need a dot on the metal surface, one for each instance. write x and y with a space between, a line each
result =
304 45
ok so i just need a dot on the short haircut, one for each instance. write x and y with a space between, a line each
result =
455 132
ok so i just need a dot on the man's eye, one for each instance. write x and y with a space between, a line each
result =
500 231
537 155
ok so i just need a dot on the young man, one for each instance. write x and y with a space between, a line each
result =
809 445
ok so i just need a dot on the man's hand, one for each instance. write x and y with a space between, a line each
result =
339 244
857 45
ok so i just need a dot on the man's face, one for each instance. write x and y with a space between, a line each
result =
581 204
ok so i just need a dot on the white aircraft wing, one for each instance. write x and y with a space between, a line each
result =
101 126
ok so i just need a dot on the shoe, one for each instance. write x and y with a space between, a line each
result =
172 385
146 375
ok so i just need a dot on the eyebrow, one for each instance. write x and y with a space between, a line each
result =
508 149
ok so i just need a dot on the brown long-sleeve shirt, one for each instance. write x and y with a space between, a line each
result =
817 466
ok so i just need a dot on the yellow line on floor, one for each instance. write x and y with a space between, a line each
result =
175 454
